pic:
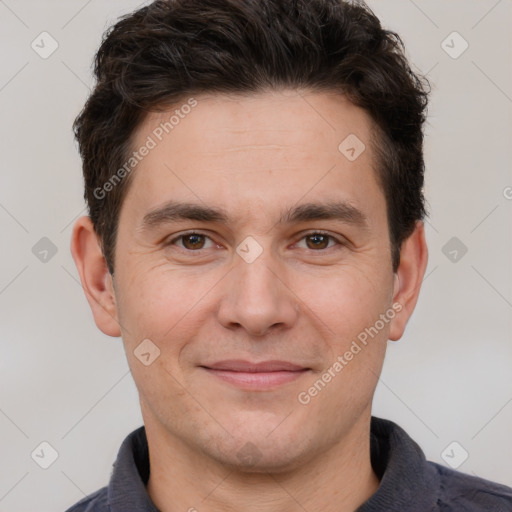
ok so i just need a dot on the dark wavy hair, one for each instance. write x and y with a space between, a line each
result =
172 49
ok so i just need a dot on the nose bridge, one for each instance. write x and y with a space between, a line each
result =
256 298
257 277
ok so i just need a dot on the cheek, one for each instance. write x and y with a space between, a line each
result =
347 300
162 305
350 304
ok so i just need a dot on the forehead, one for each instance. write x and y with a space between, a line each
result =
286 118
272 146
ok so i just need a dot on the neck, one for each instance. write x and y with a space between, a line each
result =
339 479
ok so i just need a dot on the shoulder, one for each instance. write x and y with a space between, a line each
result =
95 502
466 493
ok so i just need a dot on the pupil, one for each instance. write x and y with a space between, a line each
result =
318 241
193 241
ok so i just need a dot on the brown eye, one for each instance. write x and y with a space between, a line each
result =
193 241
317 241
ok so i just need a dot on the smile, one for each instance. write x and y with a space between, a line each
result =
256 376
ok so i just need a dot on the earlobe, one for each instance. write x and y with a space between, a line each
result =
408 279
95 277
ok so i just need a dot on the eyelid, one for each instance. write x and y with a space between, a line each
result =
179 236
339 240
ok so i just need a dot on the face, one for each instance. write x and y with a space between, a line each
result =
254 255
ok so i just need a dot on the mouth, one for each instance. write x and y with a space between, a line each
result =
256 376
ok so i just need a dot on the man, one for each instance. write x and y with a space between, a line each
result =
254 174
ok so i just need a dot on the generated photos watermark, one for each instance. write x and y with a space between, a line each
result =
305 397
151 142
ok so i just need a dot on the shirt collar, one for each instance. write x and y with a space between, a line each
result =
127 487
407 481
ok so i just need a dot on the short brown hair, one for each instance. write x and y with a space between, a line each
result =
173 49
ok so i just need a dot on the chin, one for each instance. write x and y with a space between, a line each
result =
249 459
260 450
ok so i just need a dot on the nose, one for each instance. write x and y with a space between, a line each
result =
257 298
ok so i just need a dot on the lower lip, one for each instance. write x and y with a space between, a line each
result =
257 380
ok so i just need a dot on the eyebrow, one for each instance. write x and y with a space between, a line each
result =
341 211
173 211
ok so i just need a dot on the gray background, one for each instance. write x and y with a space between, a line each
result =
62 381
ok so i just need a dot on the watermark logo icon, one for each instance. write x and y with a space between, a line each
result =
44 455
147 352
249 454
44 45
454 455
454 45
249 249
352 147
454 249
44 250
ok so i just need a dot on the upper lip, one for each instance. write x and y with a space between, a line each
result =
238 365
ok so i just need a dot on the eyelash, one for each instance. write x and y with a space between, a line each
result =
314 232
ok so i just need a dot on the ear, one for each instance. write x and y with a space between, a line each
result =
408 279
95 277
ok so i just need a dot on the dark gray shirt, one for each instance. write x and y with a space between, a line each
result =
408 482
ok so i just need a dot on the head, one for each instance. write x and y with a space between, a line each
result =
254 174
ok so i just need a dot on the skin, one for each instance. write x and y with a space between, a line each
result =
300 301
